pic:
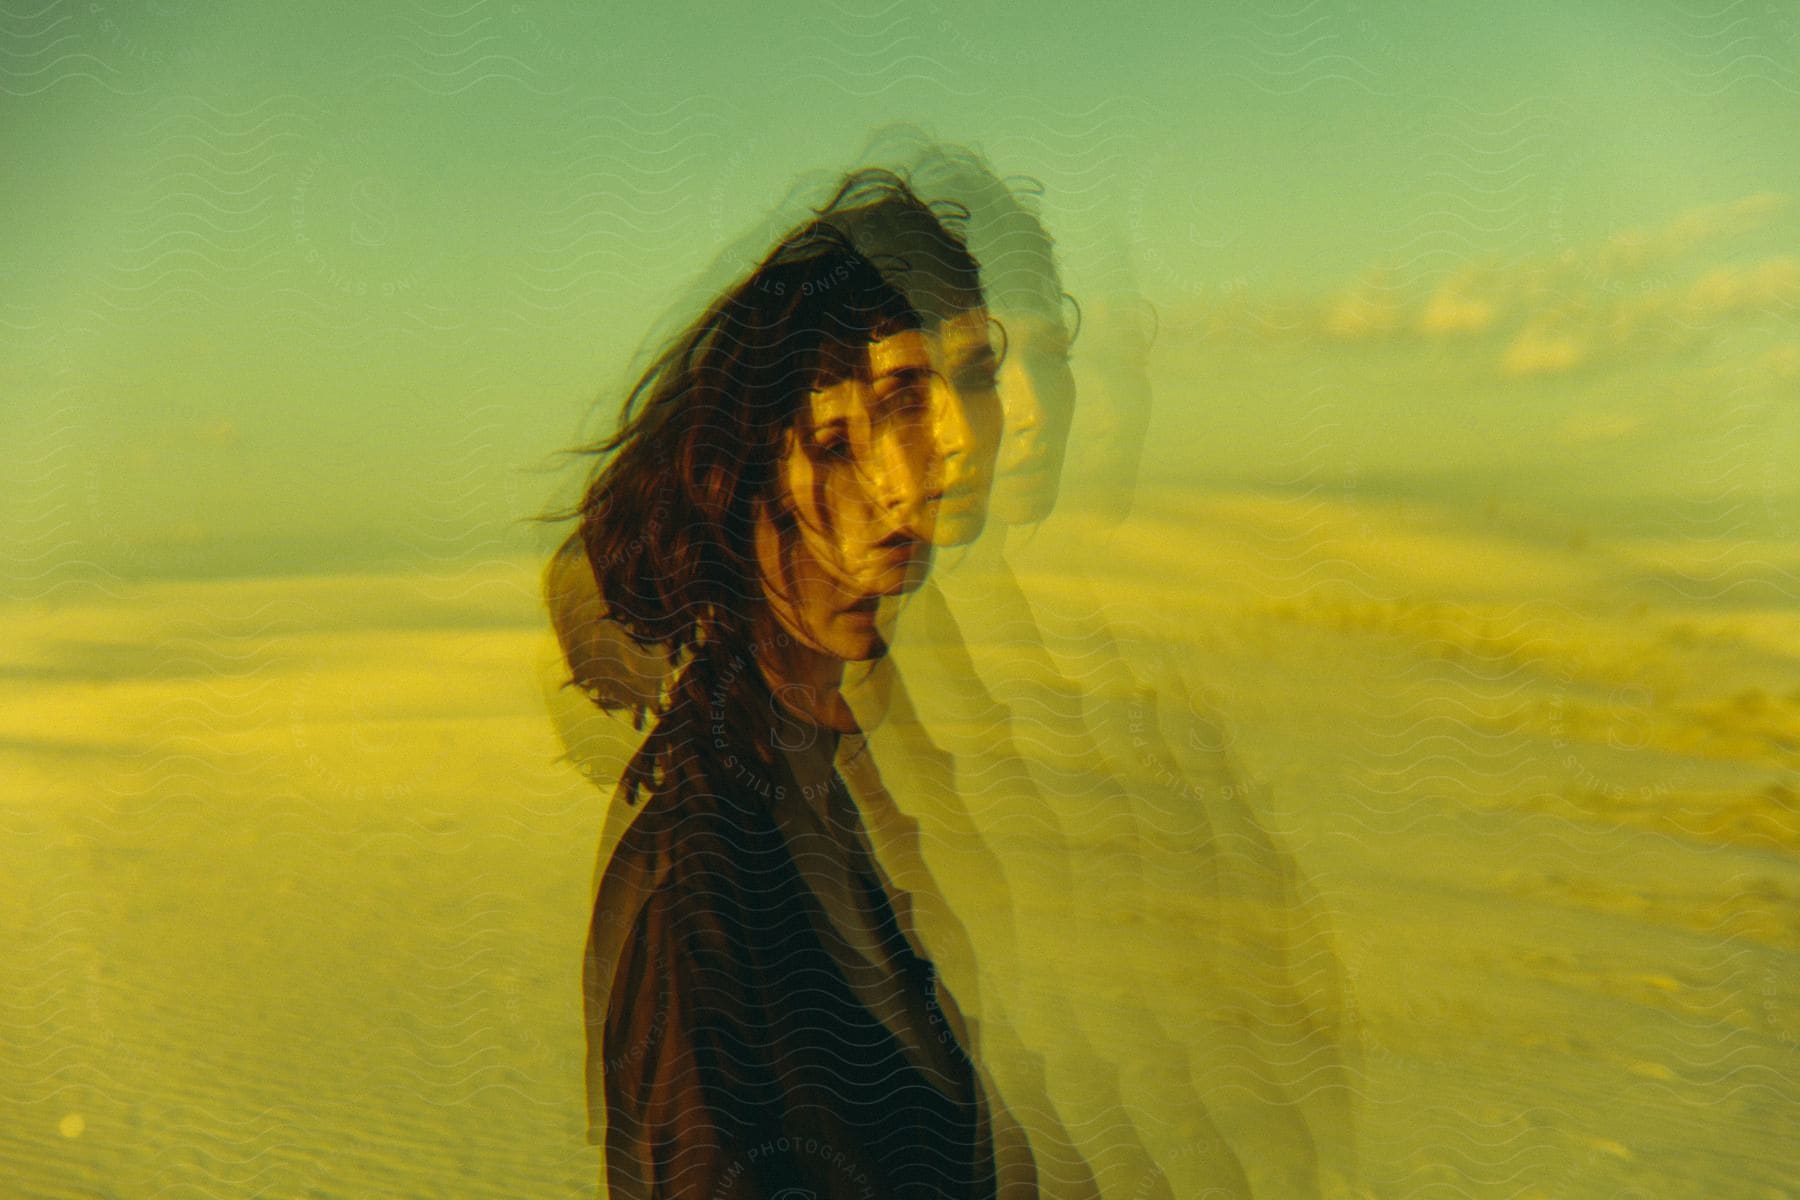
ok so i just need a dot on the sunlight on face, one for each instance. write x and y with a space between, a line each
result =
857 470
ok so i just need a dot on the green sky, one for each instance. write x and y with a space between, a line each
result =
289 289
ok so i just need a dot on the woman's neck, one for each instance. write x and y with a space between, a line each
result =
807 683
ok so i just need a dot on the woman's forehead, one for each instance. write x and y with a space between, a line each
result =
955 340
906 350
850 395
1034 323
947 343
970 327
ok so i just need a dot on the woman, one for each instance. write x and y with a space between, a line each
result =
958 758
759 1022
1255 1055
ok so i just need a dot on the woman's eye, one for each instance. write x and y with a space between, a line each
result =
1047 358
903 390
978 379
837 449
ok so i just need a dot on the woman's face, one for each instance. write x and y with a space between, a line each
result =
965 427
857 470
1037 397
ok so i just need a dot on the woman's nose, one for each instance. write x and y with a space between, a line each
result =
900 487
951 435
1021 411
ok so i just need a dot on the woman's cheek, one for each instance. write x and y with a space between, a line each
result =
1054 388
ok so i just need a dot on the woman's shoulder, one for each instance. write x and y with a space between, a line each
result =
700 783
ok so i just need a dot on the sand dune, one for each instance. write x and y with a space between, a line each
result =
299 873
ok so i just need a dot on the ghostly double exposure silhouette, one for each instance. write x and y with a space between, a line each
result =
922 873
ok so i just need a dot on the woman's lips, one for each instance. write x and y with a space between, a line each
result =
891 568
958 497
1026 464
961 491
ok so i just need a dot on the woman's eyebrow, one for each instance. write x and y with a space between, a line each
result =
834 423
973 355
831 402
903 369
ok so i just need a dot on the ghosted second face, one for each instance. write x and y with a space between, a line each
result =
1037 396
965 425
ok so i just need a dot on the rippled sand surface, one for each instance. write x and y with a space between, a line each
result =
296 874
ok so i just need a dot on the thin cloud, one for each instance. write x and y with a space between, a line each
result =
1547 313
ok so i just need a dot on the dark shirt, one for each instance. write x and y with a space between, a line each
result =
759 1026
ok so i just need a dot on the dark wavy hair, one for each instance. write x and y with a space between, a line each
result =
1000 219
668 521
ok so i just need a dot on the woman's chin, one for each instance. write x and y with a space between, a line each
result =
1024 502
959 529
856 637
